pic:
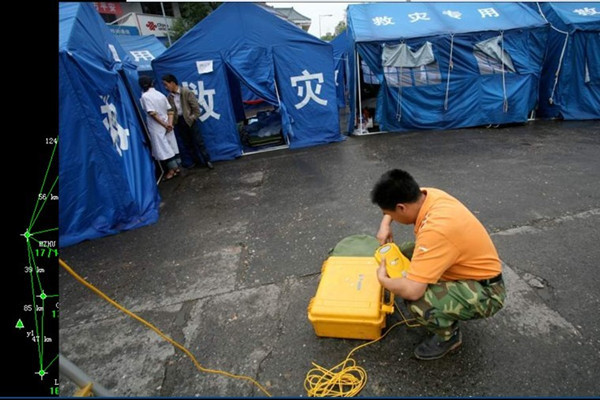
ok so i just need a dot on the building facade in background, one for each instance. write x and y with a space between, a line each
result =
146 18
142 18
293 16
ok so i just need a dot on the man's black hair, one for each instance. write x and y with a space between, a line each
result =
394 187
170 78
145 82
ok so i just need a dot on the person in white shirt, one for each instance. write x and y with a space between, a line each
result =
159 119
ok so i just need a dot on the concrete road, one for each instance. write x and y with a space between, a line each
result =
232 263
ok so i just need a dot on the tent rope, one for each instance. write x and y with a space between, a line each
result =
562 53
277 92
505 103
548 22
557 73
399 101
450 68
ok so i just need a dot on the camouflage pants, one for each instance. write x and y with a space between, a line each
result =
446 302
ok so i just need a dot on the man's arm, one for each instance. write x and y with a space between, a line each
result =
403 287
154 115
194 107
384 235
170 117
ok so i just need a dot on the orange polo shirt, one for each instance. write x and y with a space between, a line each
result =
451 244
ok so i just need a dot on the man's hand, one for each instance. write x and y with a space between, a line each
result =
382 274
404 288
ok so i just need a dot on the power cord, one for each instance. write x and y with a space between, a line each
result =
347 378
155 329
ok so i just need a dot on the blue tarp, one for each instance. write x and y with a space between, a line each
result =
275 59
106 176
576 93
422 89
142 49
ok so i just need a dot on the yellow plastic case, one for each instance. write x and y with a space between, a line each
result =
349 302
395 261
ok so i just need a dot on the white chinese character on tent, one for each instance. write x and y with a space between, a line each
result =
488 12
117 133
142 55
111 7
414 17
453 14
336 76
587 11
306 78
383 21
205 99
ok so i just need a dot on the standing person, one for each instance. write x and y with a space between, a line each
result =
159 118
454 273
187 128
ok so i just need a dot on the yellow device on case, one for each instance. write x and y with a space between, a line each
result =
395 261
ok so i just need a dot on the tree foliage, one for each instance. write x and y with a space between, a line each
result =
191 14
339 28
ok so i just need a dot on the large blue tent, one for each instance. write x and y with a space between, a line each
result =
570 85
106 176
142 50
448 65
244 44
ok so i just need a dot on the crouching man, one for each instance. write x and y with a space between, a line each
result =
455 273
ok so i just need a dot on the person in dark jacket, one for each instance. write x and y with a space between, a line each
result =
185 121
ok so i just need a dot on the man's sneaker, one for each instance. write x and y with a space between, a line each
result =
435 347
210 165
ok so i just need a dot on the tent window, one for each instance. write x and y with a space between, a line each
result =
490 56
417 76
427 74
406 67
488 65
368 75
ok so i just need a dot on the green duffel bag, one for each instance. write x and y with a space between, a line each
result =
365 246
355 246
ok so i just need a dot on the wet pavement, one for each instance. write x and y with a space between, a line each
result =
229 269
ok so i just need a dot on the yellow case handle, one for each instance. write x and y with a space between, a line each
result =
387 307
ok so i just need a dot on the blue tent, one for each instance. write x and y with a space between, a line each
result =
570 84
142 50
242 43
107 181
448 65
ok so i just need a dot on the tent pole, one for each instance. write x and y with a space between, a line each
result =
287 140
162 7
80 378
360 118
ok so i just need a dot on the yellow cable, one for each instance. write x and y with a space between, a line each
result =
155 329
347 378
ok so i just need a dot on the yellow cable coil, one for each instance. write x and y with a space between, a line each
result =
155 329
347 378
